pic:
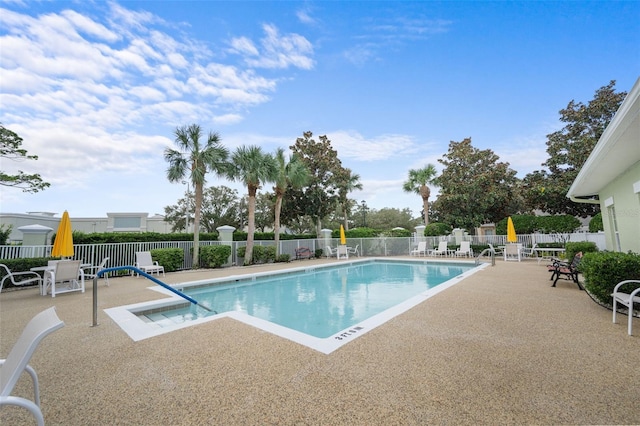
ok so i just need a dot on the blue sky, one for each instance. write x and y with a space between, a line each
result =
96 88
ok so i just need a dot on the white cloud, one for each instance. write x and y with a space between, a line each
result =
351 144
276 51
96 97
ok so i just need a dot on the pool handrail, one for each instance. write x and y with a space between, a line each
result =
139 272
491 252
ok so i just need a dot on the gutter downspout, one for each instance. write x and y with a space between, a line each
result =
584 199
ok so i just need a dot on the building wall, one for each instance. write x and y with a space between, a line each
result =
622 198
114 222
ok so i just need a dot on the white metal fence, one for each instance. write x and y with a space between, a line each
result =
122 254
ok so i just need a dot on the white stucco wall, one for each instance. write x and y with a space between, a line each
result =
623 194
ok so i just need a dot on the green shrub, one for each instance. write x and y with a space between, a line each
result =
582 246
261 254
524 224
436 229
170 258
214 256
283 258
319 253
603 270
268 254
128 237
595 224
357 233
557 223
400 233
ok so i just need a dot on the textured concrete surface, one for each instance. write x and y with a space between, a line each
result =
501 347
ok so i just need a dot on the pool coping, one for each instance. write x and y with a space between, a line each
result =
126 316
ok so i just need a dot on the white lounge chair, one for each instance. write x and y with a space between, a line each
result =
421 249
627 299
329 252
442 249
342 252
19 278
17 361
92 271
529 252
354 250
145 263
65 277
465 249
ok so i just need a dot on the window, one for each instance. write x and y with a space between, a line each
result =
126 222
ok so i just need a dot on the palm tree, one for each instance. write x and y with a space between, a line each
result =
252 167
293 173
417 183
348 183
192 160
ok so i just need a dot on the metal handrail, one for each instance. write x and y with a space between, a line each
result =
139 272
493 256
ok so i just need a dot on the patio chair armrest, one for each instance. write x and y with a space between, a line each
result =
621 283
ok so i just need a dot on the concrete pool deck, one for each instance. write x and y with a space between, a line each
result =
500 347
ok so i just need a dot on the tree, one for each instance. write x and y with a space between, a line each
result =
475 188
292 173
253 168
220 206
389 218
319 196
10 144
568 149
418 183
265 210
347 182
192 160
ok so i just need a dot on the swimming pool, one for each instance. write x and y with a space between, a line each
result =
322 307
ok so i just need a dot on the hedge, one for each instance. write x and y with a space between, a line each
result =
582 246
603 270
170 258
214 256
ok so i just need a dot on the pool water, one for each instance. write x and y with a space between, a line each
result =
319 302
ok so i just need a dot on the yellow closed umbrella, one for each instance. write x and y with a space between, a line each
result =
63 244
511 231
343 238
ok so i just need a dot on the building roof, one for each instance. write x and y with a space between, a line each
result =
617 150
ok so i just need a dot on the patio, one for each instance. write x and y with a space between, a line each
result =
500 347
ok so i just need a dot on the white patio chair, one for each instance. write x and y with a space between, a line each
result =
18 359
421 249
145 263
92 271
465 249
512 251
442 249
65 277
19 278
354 250
342 252
329 252
529 252
627 299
